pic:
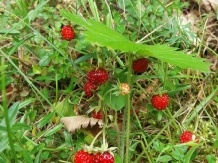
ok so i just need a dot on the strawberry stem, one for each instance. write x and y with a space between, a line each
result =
171 117
93 141
128 106
104 141
165 76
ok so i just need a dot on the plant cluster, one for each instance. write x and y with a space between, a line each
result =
104 82
97 78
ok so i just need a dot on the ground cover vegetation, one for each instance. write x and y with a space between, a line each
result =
108 81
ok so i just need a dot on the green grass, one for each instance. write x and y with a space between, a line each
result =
42 79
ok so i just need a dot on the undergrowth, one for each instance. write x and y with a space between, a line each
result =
43 75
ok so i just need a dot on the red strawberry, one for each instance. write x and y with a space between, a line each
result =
82 157
67 32
97 115
106 157
140 65
187 136
96 158
160 102
89 88
98 76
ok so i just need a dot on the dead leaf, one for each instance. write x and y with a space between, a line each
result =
76 122
214 60
209 5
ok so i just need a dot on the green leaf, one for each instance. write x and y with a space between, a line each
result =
54 130
46 78
34 13
115 102
84 58
174 57
20 126
26 102
64 108
64 155
38 157
211 158
3 67
45 155
178 153
32 115
36 69
3 142
189 154
12 114
164 158
9 31
44 61
26 156
117 159
8 79
38 148
100 34
3 128
45 120
2 160
89 138
158 146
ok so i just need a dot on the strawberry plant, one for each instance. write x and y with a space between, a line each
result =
107 81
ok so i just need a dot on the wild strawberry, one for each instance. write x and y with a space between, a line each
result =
187 136
97 115
82 157
67 32
160 102
96 158
98 76
125 89
140 65
106 157
89 88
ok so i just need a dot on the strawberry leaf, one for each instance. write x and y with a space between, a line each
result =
102 35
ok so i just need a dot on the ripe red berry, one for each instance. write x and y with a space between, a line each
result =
96 158
97 115
89 89
106 157
82 157
140 65
160 102
67 32
98 76
187 136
